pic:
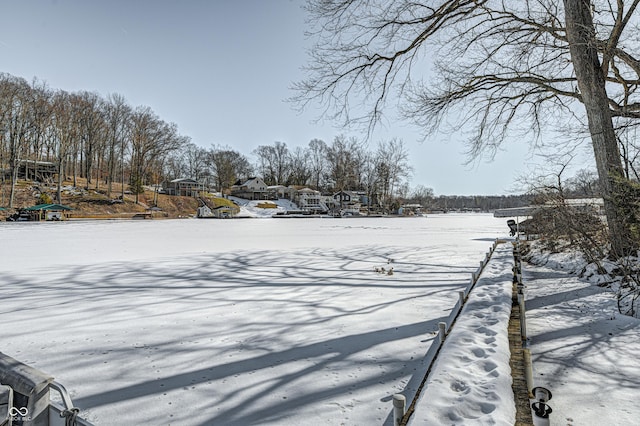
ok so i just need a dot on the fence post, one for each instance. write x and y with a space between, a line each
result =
528 371
523 318
442 326
399 404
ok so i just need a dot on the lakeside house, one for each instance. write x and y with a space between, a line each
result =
310 200
253 188
38 171
184 186
345 202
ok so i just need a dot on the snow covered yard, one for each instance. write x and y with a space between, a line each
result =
258 321
583 350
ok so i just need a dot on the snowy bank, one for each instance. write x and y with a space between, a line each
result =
583 350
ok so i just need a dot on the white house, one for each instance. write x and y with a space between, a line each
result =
253 188
183 186
310 200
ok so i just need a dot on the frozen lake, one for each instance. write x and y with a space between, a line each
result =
256 321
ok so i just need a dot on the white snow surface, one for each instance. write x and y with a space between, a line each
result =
471 379
583 350
271 321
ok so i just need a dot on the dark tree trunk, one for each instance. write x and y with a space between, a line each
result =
584 56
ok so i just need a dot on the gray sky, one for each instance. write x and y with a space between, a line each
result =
220 69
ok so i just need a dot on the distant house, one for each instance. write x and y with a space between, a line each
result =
253 188
185 187
346 202
39 171
410 210
281 191
310 200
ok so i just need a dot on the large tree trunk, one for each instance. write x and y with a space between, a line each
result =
582 45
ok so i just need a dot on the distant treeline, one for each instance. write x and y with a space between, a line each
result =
105 141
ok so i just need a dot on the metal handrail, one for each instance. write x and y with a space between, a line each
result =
69 412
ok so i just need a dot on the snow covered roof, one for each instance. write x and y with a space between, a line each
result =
516 211
179 180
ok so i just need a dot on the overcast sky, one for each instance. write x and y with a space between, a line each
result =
220 69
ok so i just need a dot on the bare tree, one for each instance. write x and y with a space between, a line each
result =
630 151
117 115
318 161
41 111
345 160
299 166
92 131
66 134
15 123
195 161
499 68
273 163
584 183
151 139
394 170
227 166
422 195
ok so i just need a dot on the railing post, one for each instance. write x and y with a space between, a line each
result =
442 326
399 404
523 318
528 371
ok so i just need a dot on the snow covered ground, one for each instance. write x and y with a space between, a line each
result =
583 350
248 321
272 321
471 379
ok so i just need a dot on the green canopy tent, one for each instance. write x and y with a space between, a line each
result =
47 211
48 207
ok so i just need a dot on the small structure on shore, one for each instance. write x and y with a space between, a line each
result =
40 212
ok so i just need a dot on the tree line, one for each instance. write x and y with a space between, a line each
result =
345 164
106 141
